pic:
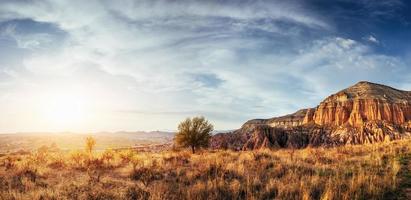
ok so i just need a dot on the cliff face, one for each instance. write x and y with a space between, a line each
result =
364 102
361 114
357 111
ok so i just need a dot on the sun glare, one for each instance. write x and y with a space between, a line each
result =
65 110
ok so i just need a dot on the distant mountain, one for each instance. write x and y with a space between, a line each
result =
363 113
69 141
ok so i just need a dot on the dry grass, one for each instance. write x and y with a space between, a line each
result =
351 172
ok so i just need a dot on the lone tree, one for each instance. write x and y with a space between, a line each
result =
90 143
194 133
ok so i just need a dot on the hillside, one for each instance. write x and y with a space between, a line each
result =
363 113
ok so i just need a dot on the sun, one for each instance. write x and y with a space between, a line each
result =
64 110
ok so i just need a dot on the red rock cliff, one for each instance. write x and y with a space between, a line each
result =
361 103
364 113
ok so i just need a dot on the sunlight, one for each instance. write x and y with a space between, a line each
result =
64 110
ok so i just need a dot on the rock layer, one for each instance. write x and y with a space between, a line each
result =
361 114
364 102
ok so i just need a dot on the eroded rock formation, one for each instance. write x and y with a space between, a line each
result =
361 114
364 102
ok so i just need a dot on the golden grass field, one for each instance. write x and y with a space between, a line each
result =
379 171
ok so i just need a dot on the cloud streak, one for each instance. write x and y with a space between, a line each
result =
157 61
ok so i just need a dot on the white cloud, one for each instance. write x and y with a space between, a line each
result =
142 57
372 39
330 64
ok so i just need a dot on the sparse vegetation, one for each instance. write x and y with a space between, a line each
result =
90 143
194 133
378 171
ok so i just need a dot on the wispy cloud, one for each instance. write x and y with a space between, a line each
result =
156 61
372 39
34 41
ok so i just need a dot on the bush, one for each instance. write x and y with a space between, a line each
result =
136 193
126 155
145 175
108 156
78 158
90 143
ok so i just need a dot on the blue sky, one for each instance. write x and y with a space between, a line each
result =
146 64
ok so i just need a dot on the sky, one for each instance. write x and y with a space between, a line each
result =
73 65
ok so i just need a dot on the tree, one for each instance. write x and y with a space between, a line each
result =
90 143
194 133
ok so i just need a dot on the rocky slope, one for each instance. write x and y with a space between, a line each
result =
363 113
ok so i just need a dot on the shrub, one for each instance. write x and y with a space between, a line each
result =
9 162
108 156
57 161
78 158
95 169
145 175
90 143
41 154
136 193
126 155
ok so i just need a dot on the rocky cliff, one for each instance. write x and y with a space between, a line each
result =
363 113
364 102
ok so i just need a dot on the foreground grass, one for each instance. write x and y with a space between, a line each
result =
352 172
404 191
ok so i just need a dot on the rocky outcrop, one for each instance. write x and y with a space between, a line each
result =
357 111
365 113
291 120
309 116
364 102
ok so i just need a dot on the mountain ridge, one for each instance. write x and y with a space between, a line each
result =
365 112
367 90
